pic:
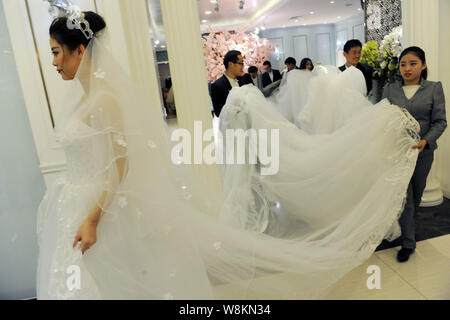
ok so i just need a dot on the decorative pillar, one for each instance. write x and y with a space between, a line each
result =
130 42
421 28
188 72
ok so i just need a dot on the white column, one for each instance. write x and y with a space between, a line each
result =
188 72
443 152
130 42
420 20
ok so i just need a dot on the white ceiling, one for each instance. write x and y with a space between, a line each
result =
262 13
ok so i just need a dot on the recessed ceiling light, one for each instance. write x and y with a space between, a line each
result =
331 2
213 1
207 12
263 28
359 9
304 24
338 17
204 21
311 12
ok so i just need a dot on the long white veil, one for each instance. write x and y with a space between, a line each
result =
285 236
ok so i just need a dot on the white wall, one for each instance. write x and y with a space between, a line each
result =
21 182
350 28
319 42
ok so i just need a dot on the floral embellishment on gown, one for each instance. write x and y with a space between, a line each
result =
99 74
119 139
123 202
168 296
152 144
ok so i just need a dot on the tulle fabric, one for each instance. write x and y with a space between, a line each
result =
284 236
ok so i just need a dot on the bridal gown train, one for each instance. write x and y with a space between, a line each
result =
334 198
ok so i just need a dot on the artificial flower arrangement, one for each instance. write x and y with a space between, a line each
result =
217 43
384 59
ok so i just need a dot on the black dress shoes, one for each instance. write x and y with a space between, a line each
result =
403 254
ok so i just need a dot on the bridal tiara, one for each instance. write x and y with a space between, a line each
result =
75 18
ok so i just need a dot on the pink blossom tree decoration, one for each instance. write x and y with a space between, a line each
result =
217 43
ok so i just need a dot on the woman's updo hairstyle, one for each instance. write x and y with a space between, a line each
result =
73 38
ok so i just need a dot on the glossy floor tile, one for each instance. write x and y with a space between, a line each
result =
428 269
425 276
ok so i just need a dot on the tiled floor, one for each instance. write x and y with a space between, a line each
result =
425 276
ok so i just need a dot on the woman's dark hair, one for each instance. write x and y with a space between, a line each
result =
303 63
73 38
419 53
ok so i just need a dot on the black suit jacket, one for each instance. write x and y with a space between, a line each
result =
219 93
367 72
266 78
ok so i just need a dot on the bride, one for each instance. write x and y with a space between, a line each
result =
116 225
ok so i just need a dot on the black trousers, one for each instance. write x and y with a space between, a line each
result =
414 196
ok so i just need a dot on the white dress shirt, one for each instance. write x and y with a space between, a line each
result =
233 82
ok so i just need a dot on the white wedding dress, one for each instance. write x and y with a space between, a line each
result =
334 198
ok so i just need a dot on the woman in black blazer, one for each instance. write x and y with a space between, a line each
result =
425 101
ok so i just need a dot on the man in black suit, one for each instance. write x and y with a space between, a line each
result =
234 65
271 75
352 54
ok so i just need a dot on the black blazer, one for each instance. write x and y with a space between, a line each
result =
266 78
219 93
367 72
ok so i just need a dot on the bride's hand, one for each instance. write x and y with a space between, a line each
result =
421 145
87 234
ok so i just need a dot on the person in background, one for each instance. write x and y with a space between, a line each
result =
234 65
306 64
270 75
291 64
352 54
251 77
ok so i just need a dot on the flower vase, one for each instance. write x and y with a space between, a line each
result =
377 90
